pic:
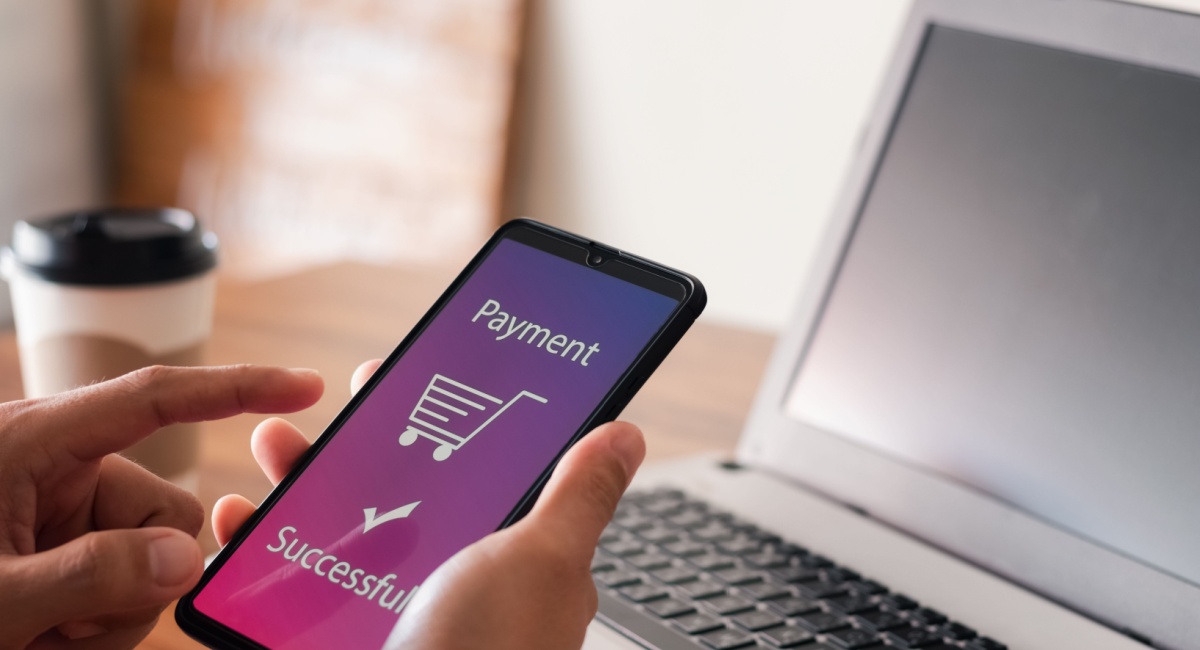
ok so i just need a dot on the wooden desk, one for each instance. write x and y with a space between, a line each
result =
335 317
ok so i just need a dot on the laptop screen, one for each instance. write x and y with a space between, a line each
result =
1018 308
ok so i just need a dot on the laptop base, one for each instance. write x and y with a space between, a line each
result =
964 592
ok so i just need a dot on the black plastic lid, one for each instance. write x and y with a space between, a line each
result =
117 246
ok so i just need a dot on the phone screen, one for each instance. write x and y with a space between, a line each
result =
440 451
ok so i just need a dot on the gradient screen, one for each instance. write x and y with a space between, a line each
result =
1019 307
439 453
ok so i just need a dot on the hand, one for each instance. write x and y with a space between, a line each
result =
527 586
92 546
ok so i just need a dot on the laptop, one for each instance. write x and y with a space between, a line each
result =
981 428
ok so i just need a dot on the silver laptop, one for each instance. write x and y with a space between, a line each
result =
983 421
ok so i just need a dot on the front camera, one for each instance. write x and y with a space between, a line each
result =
595 260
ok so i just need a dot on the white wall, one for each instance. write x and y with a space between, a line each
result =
711 135
706 134
48 157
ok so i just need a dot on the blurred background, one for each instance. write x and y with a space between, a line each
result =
706 134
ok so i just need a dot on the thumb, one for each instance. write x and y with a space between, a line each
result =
97 574
582 494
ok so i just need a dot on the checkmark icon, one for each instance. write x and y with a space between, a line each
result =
399 513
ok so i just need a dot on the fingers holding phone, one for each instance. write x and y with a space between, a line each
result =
539 565
542 338
530 586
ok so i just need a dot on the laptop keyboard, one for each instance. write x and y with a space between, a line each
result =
676 572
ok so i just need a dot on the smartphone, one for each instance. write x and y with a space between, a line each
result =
542 337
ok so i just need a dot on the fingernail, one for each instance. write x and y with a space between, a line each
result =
80 630
304 372
629 446
172 560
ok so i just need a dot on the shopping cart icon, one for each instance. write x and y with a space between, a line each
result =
447 406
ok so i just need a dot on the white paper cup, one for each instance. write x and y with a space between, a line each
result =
99 294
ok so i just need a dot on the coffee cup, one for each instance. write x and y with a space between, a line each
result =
97 294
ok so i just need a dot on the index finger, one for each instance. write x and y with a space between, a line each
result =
105 418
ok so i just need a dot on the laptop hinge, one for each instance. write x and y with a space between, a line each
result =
1140 638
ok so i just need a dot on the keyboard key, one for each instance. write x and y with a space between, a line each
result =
713 532
898 602
613 579
649 561
794 606
739 525
958 632
727 604
913 636
868 587
822 621
697 623
839 575
820 589
727 639
927 616
881 619
795 574
738 576
814 561
685 548
766 560
787 636
659 535
690 519
663 508
764 538
669 607
853 639
700 589
634 522
765 591
674 575
758 619
643 593
985 643
850 603
712 562
788 548
624 547
721 516
740 546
